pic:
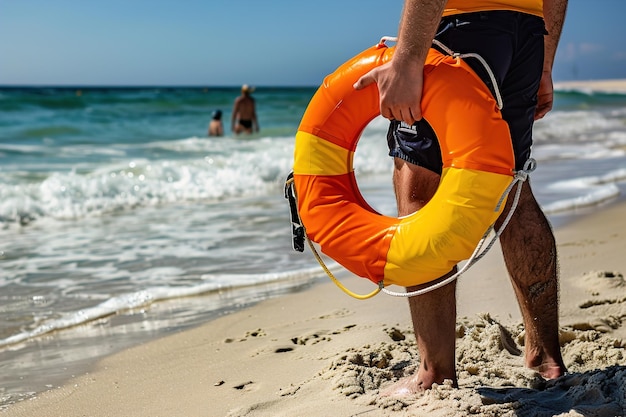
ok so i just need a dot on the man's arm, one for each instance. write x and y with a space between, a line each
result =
554 16
400 80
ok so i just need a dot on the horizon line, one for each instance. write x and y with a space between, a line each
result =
190 86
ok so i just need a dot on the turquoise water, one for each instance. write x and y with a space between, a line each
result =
121 221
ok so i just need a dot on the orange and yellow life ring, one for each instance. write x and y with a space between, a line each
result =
478 167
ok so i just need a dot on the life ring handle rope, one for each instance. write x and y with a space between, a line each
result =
450 52
492 77
384 39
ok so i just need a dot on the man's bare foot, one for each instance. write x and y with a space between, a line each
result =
411 385
549 370
546 366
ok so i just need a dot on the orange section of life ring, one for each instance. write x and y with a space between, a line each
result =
477 168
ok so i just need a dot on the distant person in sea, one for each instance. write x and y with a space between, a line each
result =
244 118
216 127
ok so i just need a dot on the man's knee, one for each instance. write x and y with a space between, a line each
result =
414 186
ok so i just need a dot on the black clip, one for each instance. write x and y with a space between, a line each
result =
297 229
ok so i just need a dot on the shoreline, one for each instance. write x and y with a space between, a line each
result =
600 86
303 353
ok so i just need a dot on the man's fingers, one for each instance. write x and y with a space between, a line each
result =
406 115
364 81
542 109
394 102
402 115
414 116
540 112
387 113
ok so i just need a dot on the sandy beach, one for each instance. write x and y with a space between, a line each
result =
600 86
320 352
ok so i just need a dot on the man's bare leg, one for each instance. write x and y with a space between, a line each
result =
529 251
530 254
434 313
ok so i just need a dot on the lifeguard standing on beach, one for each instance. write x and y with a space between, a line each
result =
503 43
518 40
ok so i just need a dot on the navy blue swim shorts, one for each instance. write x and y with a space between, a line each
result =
512 45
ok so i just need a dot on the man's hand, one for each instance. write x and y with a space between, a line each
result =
545 95
400 81
400 90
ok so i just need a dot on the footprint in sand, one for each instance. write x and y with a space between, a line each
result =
320 336
599 324
244 386
601 280
248 335
395 334
311 338
344 312
283 349
602 286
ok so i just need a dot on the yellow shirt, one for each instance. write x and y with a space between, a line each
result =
534 7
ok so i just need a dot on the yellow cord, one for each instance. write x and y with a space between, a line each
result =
290 182
336 281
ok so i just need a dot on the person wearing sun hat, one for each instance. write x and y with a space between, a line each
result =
244 119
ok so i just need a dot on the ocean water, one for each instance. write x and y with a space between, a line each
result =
121 221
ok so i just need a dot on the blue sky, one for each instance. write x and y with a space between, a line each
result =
231 42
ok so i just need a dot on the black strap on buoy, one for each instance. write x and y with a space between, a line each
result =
297 228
